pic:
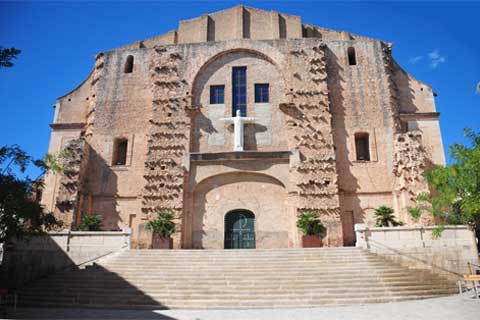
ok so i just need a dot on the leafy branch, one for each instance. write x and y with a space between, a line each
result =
455 189
7 55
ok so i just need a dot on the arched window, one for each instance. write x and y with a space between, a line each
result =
129 64
362 146
352 59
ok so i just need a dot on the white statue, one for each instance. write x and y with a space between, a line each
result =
238 122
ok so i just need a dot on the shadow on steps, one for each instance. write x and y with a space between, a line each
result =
92 287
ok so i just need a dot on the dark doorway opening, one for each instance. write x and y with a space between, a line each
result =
240 229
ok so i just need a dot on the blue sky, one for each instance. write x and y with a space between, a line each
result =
437 42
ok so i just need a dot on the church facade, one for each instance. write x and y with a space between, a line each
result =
244 118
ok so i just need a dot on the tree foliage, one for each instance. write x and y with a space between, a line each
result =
7 55
20 214
54 162
455 189
385 217
90 223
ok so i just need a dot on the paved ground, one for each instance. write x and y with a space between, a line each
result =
454 307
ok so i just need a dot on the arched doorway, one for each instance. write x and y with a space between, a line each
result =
239 230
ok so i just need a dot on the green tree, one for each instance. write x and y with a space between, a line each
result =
20 214
7 55
455 189
385 217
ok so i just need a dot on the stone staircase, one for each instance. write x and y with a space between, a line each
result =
235 279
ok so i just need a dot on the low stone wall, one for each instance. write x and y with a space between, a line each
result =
416 248
55 251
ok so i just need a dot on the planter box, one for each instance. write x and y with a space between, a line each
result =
313 241
159 242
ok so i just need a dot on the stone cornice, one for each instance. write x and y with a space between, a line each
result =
63 126
240 155
419 115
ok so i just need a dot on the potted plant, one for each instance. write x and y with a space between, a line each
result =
162 228
385 217
90 223
312 228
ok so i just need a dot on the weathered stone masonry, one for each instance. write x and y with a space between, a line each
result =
301 153
309 131
168 140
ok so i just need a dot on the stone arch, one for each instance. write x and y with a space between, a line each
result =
219 176
261 194
219 55
209 131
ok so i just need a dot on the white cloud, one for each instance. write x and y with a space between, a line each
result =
478 87
436 59
434 55
415 60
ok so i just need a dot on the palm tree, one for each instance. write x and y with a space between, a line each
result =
385 217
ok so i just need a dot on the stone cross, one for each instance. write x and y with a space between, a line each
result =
238 122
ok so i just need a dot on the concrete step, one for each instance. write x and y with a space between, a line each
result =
230 299
194 279
312 277
358 282
236 278
228 262
241 274
303 302
229 291
209 263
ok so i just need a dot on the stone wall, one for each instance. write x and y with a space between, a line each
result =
259 193
71 181
309 130
56 251
169 137
318 102
416 248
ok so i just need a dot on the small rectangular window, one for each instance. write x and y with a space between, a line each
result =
362 146
217 94
261 92
120 152
352 58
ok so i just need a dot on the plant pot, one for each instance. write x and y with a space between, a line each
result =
159 242
312 241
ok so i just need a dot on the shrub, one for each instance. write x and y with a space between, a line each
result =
90 223
309 223
385 217
163 224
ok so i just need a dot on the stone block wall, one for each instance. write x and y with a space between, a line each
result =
318 102
56 251
310 132
417 248
168 139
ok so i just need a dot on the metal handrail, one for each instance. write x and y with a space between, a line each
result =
470 265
